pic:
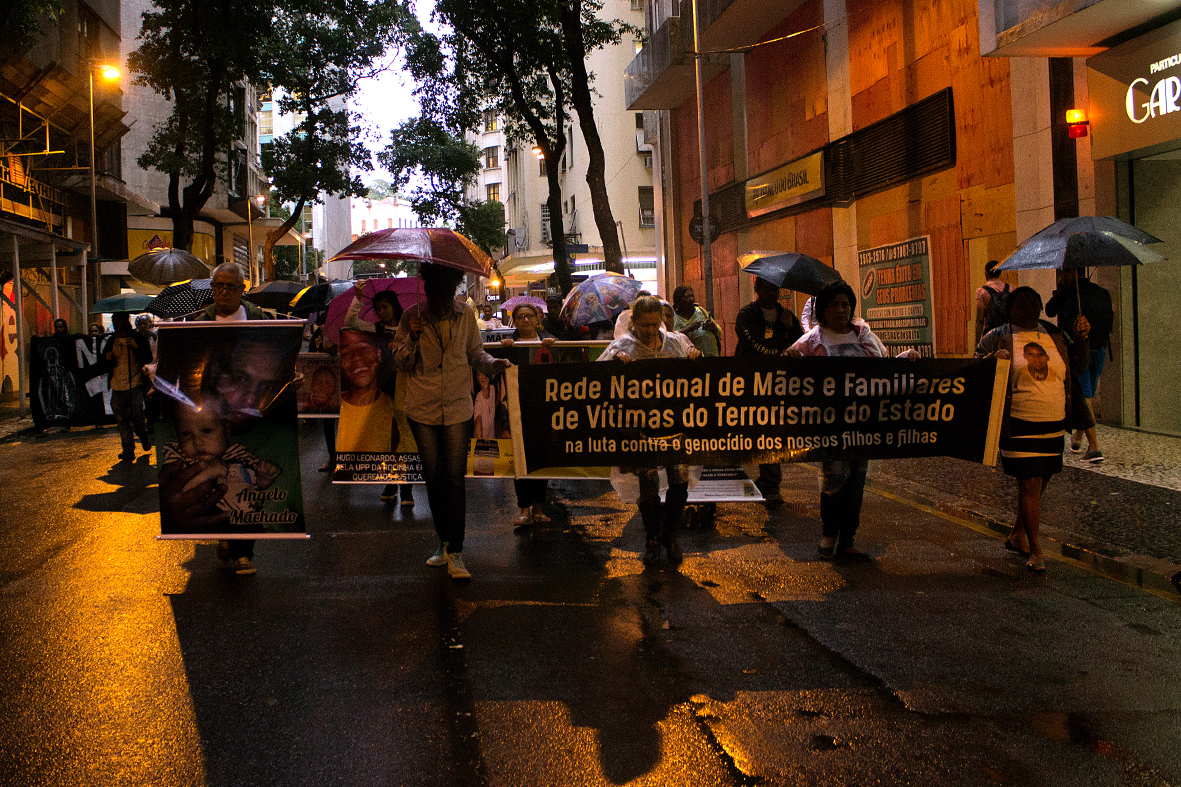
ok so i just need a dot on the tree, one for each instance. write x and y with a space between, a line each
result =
534 52
193 52
318 53
434 168
380 189
24 23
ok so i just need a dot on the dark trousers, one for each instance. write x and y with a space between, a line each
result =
770 477
128 407
530 491
661 521
842 487
242 547
330 438
444 449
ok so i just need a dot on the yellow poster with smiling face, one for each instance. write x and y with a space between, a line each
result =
1038 377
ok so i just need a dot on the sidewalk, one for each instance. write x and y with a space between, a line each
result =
1122 517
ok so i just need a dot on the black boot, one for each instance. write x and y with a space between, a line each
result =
674 506
650 515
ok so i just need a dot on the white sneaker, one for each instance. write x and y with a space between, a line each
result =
456 568
440 556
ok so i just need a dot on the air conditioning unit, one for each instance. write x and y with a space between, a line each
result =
647 159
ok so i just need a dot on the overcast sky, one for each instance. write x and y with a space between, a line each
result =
386 100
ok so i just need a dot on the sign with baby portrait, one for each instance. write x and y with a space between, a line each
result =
226 445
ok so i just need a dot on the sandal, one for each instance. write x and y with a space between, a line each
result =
1036 564
1009 545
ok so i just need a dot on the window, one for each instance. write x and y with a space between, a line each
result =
541 170
545 234
266 123
572 204
647 207
640 121
491 157
637 5
494 192
362 225
491 122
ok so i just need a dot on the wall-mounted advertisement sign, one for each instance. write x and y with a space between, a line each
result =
895 295
1135 94
782 187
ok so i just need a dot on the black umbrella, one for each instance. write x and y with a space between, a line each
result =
166 266
123 302
275 295
789 270
1078 250
184 297
317 297
1106 224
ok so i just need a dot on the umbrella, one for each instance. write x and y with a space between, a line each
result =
317 297
601 297
184 297
1111 224
426 244
517 300
1078 250
789 270
275 295
165 266
123 302
409 291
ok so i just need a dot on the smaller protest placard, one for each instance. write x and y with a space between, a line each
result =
319 396
68 381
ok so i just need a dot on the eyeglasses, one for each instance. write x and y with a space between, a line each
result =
219 286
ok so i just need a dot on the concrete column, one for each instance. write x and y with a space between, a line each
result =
18 300
746 291
840 124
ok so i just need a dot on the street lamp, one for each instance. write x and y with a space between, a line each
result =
109 73
258 199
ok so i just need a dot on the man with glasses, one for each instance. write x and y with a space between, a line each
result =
239 384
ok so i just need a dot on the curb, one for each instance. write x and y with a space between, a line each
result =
1105 565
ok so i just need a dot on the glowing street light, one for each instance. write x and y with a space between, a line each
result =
109 73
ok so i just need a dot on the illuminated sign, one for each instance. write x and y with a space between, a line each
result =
790 184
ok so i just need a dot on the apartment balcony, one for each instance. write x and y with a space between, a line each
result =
1073 28
662 75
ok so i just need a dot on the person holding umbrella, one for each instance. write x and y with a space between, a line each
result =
1090 324
437 345
764 328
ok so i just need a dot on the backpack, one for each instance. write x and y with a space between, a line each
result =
1096 307
997 313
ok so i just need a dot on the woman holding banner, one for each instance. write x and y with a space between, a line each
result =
646 341
1037 410
437 345
530 491
842 481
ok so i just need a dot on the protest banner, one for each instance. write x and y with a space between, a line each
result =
319 396
68 381
733 411
896 296
374 444
228 421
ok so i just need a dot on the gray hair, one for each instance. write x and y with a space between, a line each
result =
232 269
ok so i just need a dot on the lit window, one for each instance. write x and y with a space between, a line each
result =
492 157
494 192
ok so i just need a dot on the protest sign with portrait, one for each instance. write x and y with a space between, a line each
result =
226 444
374 444
319 396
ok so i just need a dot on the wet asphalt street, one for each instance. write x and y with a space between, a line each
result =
346 661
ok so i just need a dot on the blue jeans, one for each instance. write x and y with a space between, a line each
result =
1090 376
444 448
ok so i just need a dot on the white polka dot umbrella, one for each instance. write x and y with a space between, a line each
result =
184 297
